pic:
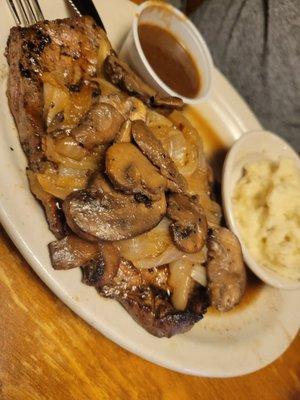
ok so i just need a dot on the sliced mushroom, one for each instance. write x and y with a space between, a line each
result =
167 102
121 75
189 226
99 182
102 269
124 134
225 269
110 216
71 252
125 78
130 171
153 149
100 125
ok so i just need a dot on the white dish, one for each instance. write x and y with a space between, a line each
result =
221 345
252 147
169 18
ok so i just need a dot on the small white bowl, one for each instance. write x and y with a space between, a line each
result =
253 147
171 19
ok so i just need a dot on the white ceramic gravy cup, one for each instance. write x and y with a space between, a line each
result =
174 21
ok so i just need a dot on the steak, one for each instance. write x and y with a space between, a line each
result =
145 295
46 46
40 48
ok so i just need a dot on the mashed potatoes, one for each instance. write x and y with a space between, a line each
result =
267 207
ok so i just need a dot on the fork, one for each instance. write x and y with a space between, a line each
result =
25 12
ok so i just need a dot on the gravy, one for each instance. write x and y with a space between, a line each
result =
170 60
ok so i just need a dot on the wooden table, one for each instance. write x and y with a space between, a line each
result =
47 352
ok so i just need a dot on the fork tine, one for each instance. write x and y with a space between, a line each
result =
30 11
40 15
14 11
24 13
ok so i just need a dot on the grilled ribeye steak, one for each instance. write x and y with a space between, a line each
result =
31 52
46 46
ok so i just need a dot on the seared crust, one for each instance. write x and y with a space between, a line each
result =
145 296
158 316
24 94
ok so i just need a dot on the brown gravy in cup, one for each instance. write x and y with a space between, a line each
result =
170 60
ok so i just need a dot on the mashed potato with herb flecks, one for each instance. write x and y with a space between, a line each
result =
267 208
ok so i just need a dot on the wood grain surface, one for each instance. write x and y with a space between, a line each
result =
48 353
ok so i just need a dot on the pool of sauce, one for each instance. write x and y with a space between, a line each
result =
170 60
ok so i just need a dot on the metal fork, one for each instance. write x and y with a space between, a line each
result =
25 12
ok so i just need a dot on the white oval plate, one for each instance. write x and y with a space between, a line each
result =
220 345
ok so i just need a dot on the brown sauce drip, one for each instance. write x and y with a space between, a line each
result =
170 60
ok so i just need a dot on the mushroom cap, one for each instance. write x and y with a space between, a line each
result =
101 270
110 216
120 74
100 125
189 227
167 102
152 148
225 269
71 252
130 171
